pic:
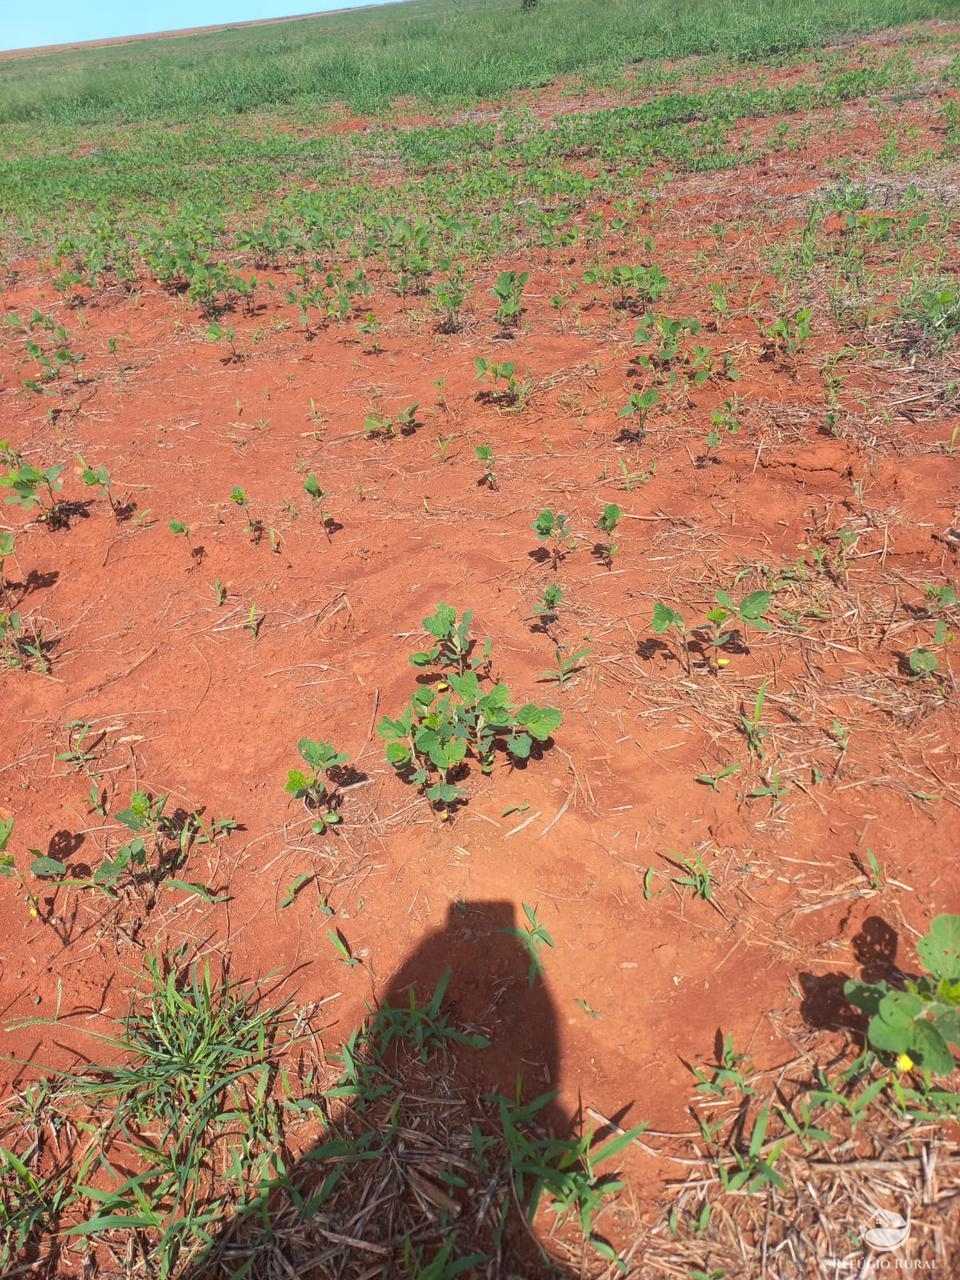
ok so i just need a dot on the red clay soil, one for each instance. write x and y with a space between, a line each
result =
643 973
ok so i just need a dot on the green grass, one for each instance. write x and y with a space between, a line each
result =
121 188
185 1123
439 51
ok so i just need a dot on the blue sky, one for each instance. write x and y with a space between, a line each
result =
25 24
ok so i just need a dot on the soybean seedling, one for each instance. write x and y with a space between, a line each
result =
182 530
406 419
666 619
100 477
607 524
453 648
750 612
552 529
484 454
318 495
938 598
317 788
547 606
30 487
636 411
725 423
443 444
515 392
239 498
508 290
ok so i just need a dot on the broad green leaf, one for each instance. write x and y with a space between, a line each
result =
755 605
444 792
425 657
467 686
930 1049
297 782
939 949
664 618
892 1028
440 623
388 728
539 722
47 868
398 754
865 995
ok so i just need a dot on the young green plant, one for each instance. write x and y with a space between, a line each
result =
316 787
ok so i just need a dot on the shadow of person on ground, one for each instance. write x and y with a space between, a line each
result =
418 1169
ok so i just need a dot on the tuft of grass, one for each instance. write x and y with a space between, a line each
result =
186 1122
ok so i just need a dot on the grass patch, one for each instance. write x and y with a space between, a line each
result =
434 50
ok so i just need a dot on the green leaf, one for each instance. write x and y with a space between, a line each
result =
930 1050
755 605
137 816
322 755
398 754
297 782
865 995
48 868
892 1029
299 883
388 728
539 722
664 618
444 793
922 662
467 685
440 623
610 518
199 890
939 949
444 754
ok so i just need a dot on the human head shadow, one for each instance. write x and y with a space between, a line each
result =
412 1163
824 1007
